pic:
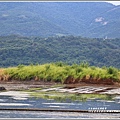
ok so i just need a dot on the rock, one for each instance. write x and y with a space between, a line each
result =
2 88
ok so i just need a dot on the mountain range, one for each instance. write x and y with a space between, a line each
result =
87 19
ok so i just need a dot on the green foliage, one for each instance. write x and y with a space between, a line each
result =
60 64
18 50
84 64
113 72
59 72
20 66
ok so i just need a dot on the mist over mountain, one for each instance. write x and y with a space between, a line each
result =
88 19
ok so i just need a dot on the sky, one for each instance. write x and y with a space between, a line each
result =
114 2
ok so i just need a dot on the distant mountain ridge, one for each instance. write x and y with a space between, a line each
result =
88 19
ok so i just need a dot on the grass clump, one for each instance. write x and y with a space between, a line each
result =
58 72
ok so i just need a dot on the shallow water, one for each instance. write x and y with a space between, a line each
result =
32 114
10 101
31 102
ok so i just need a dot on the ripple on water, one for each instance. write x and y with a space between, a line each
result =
29 114
14 104
20 98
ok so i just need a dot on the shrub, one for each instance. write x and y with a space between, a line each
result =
84 64
58 72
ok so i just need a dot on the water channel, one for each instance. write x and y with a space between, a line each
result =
14 101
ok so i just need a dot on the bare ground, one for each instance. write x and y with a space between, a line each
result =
23 85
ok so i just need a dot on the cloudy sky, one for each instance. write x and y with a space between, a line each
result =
114 2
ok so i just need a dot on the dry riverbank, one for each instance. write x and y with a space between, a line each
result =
25 85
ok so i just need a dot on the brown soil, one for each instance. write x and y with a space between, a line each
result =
95 85
89 80
22 85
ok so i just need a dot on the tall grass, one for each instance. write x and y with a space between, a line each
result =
59 71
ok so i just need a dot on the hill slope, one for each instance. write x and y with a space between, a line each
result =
15 50
51 18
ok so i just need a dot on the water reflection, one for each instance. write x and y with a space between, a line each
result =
61 101
108 103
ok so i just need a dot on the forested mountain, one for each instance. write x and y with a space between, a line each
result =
88 19
15 50
41 32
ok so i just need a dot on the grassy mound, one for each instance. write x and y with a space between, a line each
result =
60 72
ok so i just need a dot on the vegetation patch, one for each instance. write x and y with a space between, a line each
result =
15 50
62 73
66 96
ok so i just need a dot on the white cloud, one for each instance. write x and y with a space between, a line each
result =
114 2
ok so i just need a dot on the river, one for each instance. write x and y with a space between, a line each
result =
17 99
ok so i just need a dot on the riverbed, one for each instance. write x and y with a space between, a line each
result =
36 99
17 100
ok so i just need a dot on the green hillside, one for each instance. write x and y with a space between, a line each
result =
88 19
15 50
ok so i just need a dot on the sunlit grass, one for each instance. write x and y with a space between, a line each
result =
58 72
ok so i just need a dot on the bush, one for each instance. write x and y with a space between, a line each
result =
112 70
58 72
113 73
